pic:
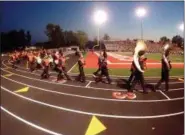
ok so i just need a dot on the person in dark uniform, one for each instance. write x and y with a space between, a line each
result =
137 67
104 69
166 67
100 59
13 60
81 64
45 64
61 68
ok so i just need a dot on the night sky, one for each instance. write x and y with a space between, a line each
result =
162 18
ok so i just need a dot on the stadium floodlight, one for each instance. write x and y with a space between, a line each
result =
141 12
181 27
100 17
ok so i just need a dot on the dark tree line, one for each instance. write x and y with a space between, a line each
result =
15 40
178 40
60 38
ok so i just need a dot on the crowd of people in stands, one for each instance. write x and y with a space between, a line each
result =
128 46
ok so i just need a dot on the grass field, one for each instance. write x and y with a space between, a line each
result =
157 56
126 72
148 72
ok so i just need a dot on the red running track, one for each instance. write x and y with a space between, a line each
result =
92 62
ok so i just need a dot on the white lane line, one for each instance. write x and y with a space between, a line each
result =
87 97
29 123
88 84
112 76
69 85
71 68
164 95
87 80
91 113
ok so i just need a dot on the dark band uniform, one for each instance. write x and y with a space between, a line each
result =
45 64
100 60
104 70
81 76
166 66
136 75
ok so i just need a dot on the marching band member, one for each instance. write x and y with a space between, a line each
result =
81 64
138 66
166 66
61 67
31 61
100 59
39 60
13 60
56 60
104 69
45 64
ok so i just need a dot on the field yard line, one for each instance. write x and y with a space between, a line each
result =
88 84
63 83
112 76
148 63
164 95
72 68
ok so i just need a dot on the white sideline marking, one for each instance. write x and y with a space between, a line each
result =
29 123
92 88
126 63
87 97
71 68
152 63
164 95
112 76
91 113
66 84
88 84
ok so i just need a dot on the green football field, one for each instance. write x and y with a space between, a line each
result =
157 56
149 72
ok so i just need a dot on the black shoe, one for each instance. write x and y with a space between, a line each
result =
154 89
145 92
69 79
83 81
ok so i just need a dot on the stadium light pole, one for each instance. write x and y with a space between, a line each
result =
100 17
141 12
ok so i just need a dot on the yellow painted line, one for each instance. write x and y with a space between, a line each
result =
95 127
7 75
25 89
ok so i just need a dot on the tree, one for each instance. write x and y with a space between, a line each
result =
70 38
55 34
82 39
178 40
28 38
164 39
13 40
106 37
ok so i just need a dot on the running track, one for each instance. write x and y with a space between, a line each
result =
67 108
